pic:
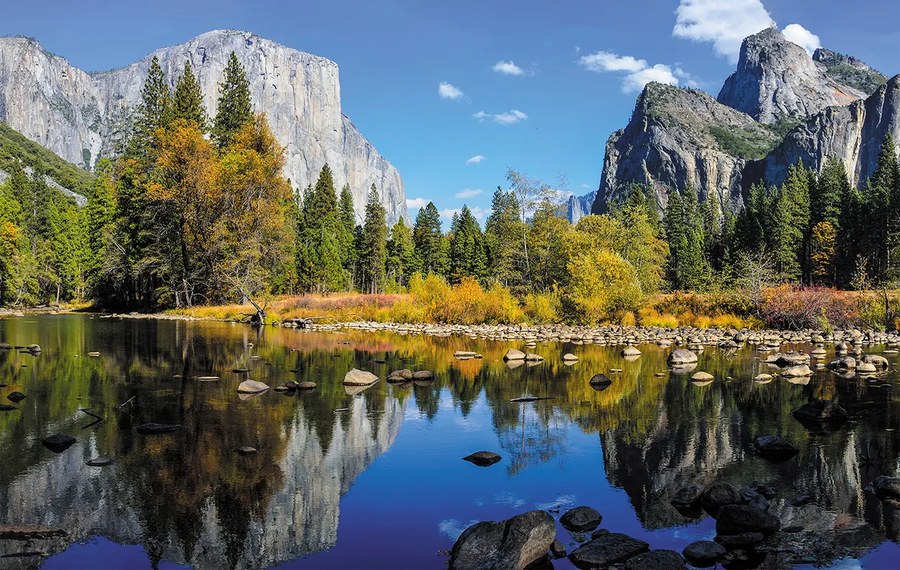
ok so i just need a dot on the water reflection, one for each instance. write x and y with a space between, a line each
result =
189 498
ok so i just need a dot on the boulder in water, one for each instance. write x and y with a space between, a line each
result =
580 519
514 354
680 357
738 519
252 387
483 458
774 446
58 443
513 544
703 553
656 560
606 550
356 377
16 397
820 411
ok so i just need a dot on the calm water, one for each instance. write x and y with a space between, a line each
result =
374 479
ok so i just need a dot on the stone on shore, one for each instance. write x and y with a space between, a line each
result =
512 544
580 519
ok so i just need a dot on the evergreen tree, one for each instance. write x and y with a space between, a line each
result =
346 227
153 113
233 108
687 266
188 103
427 236
467 253
100 220
374 244
790 225
501 232
401 254
323 225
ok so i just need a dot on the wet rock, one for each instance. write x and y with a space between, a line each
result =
306 385
557 549
687 496
7 408
738 519
742 540
797 371
887 488
876 360
252 387
656 560
531 357
58 443
599 532
483 458
820 411
630 351
356 377
606 550
99 462
464 354
16 397
718 495
423 375
680 357
246 450
5 346
788 359
155 429
702 377
569 357
800 500
511 544
763 378
513 354
754 499
34 348
843 363
600 380
866 368
774 446
580 519
399 376
703 553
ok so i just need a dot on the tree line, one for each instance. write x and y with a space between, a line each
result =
197 211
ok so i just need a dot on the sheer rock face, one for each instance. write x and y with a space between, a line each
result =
776 80
851 133
671 142
580 206
83 116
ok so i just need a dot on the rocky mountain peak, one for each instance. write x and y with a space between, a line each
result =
778 80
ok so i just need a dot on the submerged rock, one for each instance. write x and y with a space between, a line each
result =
483 458
772 445
581 519
606 550
58 443
154 428
738 519
820 411
718 495
512 544
687 496
703 553
656 560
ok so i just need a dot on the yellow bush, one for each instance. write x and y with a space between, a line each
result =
651 318
602 285
543 308
728 322
628 319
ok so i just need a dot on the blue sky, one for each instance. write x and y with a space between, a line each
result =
568 72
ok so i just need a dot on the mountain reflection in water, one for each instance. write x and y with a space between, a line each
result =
188 498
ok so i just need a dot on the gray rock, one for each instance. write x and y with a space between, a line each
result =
557 549
656 560
483 458
580 519
423 375
742 540
737 519
306 385
252 387
798 371
600 380
81 116
680 357
514 354
356 377
703 553
754 499
398 376
511 544
606 550
246 450
820 411
99 462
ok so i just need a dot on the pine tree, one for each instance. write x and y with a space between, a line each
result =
467 254
687 266
790 225
400 254
323 226
188 103
153 113
374 244
501 232
100 219
427 236
346 226
233 108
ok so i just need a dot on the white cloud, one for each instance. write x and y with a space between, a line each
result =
639 73
585 186
802 37
659 73
477 212
689 79
508 68
447 91
475 159
447 213
577 49
416 203
724 24
469 193
608 61
510 118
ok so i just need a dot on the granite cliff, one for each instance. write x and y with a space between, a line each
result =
83 116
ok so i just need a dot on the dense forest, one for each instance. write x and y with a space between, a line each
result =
196 211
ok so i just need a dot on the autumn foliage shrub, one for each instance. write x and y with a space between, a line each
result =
793 307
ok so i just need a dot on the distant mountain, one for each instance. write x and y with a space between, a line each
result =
83 116
779 106
578 207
